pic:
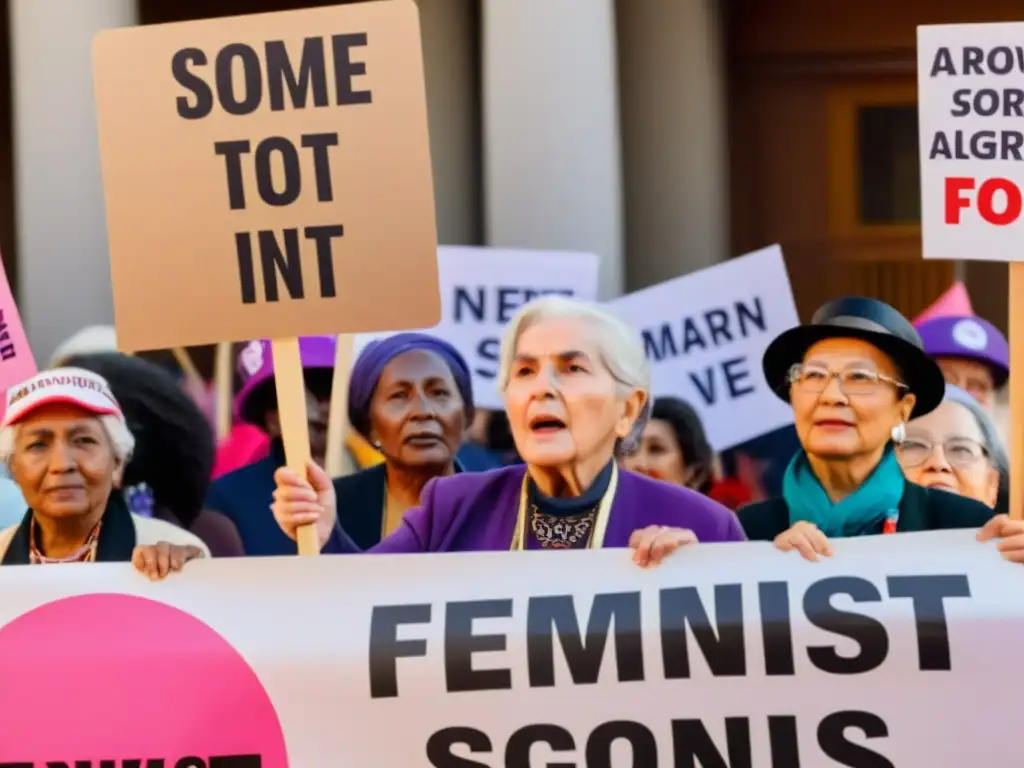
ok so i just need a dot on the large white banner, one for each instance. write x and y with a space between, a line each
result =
705 334
483 288
971 106
898 651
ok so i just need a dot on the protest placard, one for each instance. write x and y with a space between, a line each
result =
290 192
705 334
268 176
971 116
17 362
483 288
726 655
971 110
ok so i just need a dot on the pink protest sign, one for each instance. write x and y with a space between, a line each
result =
16 360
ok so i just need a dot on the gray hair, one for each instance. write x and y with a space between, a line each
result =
122 441
619 346
989 434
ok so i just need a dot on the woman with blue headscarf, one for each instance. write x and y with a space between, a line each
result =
411 397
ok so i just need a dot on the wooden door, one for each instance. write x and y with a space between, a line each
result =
874 201
823 147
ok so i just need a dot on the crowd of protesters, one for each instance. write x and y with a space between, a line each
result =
110 458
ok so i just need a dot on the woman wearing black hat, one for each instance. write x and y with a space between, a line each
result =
855 376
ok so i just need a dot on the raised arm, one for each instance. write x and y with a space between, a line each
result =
299 502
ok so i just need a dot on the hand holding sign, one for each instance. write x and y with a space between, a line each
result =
807 539
1009 532
305 501
653 544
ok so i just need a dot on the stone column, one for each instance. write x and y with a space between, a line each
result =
552 177
675 142
61 223
451 64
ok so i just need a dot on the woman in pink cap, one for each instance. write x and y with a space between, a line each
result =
66 443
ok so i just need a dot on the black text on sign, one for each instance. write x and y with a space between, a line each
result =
240 80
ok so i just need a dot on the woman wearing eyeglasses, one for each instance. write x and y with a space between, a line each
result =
956 448
855 376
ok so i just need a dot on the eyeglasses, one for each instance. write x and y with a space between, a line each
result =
813 380
960 452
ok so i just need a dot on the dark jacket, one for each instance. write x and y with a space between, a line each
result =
921 509
361 504
244 498
360 499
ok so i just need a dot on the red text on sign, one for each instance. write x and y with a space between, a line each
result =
999 201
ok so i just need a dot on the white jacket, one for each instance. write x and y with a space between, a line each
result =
147 531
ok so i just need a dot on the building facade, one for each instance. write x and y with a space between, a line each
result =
663 135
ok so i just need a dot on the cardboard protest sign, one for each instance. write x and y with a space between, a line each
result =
726 655
971 113
971 107
705 333
483 288
268 176
17 362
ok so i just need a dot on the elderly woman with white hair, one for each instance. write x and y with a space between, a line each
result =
66 443
576 386
956 448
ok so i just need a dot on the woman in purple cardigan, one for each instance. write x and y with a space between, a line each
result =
576 384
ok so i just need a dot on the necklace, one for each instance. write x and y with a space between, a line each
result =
597 528
562 531
84 554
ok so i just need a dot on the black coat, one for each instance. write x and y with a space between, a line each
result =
361 497
361 504
921 509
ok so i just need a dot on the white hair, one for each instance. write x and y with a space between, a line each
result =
122 441
620 349
87 341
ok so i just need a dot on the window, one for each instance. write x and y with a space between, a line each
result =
888 165
873 168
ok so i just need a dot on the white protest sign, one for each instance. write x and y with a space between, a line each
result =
705 333
897 651
483 288
971 109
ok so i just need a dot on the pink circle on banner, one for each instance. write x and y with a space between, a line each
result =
118 677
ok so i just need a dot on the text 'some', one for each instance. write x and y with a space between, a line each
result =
268 176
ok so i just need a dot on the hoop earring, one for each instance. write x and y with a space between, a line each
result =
899 433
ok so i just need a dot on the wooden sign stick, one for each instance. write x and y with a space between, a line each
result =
291 407
337 419
1016 328
222 379
184 360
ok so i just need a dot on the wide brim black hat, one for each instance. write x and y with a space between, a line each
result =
870 320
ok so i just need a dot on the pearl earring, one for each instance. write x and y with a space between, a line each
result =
899 433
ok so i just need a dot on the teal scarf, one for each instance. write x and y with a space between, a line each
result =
860 514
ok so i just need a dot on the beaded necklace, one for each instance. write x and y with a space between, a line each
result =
84 554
